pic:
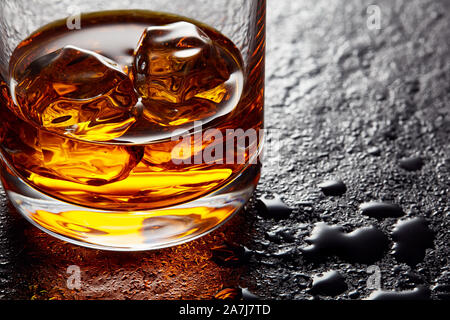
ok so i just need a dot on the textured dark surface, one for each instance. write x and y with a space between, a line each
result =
350 104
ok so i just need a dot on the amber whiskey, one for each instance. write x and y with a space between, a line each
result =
89 116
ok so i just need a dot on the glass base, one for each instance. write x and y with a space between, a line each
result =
125 230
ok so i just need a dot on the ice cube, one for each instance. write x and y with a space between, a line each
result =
37 154
78 93
180 73
87 163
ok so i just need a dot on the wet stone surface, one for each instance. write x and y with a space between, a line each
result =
370 107
349 102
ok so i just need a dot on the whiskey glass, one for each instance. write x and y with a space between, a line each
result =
168 168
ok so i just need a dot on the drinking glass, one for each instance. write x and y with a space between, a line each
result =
157 202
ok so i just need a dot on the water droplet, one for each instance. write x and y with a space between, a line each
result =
374 151
419 293
333 187
412 86
230 254
412 237
381 210
411 164
380 96
330 283
363 245
286 252
354 294
273 208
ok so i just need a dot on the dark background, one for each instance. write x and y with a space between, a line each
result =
350 103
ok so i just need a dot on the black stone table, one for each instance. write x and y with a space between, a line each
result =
351 102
